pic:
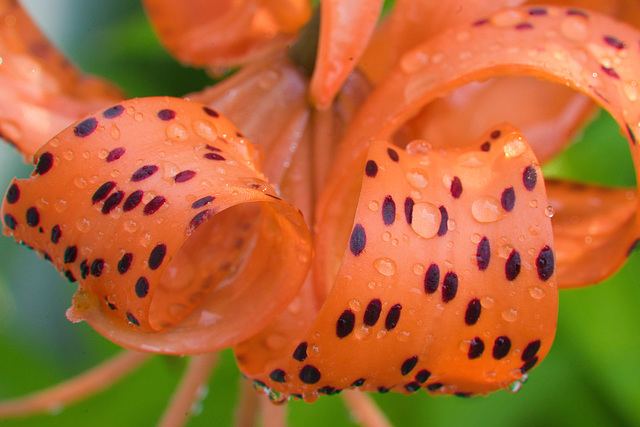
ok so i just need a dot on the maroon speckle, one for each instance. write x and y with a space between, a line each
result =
155 204
184 176
213 156
85 127
166 114
210 112
610 72
524 26
115 154
614 42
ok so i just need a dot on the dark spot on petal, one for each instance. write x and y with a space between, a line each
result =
32 217
577 12
211 112
486 146
610 72
408 209
393 154
131 318
84 269
512 266
202 202
358 240
125 263
132 201
309 374
328 390
508 199
480 22
143 173
10 221
529 365
300 353
112 201
392 317
632 136
213 156
408 365
371 169
153 206
372 313
473 312
113 112
613 41
70 277
345 324
70 254
456 187
212 148
449 286
529 177
56 233
383 390
412 387
199 218
435 386
539 11
115 154
501 347
111 305
545 263
13 194
431 279
476 348
531 350
388 211
495 134
422 376
483 254
184 176
102 192
166 114
96 267
358 383
85 127
142 287
45 163
524 26
157 256
444 220
277 375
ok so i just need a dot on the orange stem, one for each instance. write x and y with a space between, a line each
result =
364 409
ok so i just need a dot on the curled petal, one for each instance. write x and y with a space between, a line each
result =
225 32
587 51
42 92
157 208
431 258
345 29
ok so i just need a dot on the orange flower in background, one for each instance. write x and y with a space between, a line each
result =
436 262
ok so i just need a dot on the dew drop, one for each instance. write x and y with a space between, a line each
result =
177 132
475 238
386 236
130 226
79 181
487 209
426 219
354 304
138 117
487 302
205 130
414 61
83 225
374 206
363 333
385 266
536 292
510 315
533 203
549 211
115 132
60 205
631 91
419 269
514 147
418 177
575 28
418 147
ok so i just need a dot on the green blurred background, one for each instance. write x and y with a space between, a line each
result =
591 376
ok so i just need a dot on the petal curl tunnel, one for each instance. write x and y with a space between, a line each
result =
157 207
439 282
586 51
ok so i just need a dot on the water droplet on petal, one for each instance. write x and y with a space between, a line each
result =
205 130
426 219
83 225
514 147
510 315
487 209
549 211
418 147
385 266
374 206
536 292
177 132
418 177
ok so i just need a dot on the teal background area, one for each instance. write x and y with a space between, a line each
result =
591 376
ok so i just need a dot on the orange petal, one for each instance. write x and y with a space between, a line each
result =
414 21
587 51
225 32
42 92
345 29
157 208
437 285
624 10
589 224
548 114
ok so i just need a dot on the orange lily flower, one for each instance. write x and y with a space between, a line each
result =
429 258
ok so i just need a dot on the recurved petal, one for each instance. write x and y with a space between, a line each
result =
225 32
587 51
42 92
345 30
157 207
432 249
